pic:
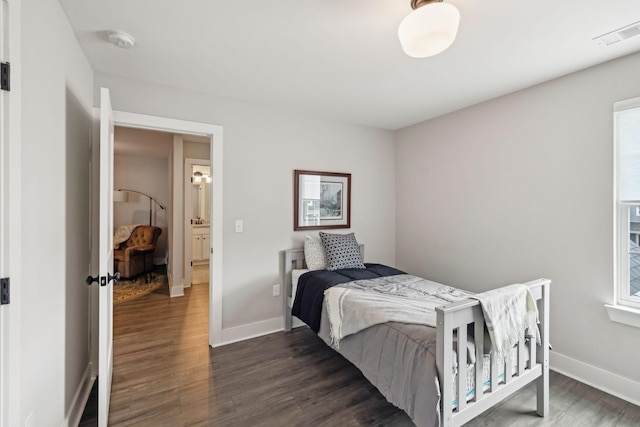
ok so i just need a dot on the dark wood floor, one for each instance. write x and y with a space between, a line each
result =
166 375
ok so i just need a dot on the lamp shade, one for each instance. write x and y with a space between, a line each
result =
120 196
429 30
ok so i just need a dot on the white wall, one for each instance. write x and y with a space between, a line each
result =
262 148
56 134
521 187
148 175
176 241
197 150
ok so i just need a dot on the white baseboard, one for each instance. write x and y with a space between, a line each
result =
252 330
296 323
174 291
79 401
606 381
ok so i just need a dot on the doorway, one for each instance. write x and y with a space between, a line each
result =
197 220
175 203
174 218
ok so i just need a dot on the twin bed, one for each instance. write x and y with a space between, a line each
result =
417 367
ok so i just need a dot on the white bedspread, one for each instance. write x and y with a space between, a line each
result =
357 305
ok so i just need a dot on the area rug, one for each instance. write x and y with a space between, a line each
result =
126 290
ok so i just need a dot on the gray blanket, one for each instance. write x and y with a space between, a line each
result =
404 298
399 359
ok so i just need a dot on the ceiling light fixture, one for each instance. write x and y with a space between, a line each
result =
429 29
198 176
121 39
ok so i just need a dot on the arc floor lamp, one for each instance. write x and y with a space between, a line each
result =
122 195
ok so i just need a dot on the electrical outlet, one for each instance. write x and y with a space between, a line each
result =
276 290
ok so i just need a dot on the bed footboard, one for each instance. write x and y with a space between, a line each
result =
531 362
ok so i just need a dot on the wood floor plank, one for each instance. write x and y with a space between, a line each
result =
165 374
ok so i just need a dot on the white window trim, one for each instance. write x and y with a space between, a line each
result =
622 290
623 310
622 314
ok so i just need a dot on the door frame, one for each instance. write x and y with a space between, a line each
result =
10 223
189 162
215 135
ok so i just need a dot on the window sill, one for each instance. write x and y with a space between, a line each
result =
622 314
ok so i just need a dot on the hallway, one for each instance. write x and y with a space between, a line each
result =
161 358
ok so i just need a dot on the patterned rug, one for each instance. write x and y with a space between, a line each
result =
126 290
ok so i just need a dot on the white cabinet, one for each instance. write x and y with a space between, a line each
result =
206 246
196 250
200 244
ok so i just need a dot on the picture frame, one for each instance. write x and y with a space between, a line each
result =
322 200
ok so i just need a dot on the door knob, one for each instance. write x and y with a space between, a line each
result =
116 278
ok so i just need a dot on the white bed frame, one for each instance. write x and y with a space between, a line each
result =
531 363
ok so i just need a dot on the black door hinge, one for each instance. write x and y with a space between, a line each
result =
191 263
5 76
4 291
103 280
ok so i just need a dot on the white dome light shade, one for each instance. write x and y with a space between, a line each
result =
429 30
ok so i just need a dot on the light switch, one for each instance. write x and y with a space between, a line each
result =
239 226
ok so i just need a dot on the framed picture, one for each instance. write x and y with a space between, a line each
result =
322 200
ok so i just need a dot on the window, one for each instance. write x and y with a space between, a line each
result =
627 199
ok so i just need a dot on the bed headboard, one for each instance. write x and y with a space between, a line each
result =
293 260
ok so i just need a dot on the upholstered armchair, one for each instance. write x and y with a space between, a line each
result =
135 255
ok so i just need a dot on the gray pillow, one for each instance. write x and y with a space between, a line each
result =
342 251
314 253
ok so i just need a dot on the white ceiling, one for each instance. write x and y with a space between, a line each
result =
341 59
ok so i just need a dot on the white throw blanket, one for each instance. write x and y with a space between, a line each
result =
508 311
354 306
122 234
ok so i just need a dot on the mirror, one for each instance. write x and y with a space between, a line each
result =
201 194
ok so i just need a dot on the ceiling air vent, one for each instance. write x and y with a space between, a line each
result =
618 35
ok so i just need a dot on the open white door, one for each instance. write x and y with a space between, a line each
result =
105 265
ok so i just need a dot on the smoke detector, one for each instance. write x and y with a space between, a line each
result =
121 39
618 35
